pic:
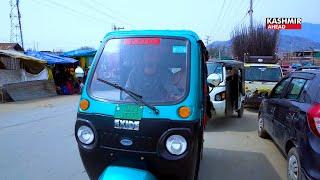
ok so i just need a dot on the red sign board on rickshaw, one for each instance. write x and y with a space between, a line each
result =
142 41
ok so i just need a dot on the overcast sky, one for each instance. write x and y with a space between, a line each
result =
69 24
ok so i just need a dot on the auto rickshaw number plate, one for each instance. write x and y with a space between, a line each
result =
128 111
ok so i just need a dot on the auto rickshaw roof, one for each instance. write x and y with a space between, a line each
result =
175 33
228 63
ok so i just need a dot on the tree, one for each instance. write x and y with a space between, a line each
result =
256 42
224 51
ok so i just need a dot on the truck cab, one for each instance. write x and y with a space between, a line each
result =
261 74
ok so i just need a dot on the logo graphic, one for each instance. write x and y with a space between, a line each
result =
126 142
126 124
283 23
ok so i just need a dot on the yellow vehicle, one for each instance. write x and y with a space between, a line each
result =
260 79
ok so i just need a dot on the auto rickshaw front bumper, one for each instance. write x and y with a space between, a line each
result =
147 152
124 173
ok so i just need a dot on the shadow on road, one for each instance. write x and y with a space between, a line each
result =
253 110
227 164
245 124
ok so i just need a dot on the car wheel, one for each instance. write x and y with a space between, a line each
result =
261 131
240 112
294 166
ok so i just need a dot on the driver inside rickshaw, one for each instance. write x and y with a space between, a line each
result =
233 79
153 81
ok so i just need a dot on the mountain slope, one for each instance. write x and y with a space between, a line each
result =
295 43
309 31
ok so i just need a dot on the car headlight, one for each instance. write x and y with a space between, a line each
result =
85 134
176 144
220 96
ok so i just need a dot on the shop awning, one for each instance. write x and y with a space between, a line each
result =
20 56
51 58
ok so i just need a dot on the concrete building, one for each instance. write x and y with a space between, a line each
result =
302 57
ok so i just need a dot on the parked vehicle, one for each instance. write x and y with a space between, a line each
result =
261 75
291 116
295 66
143 108
308 67
286 69
228 96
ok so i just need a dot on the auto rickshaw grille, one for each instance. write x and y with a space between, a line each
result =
139 143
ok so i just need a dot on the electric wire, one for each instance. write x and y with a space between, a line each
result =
101 12
69 10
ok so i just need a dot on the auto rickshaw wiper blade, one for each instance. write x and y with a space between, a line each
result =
119 87
135 96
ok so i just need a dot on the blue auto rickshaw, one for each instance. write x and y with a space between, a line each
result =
143 108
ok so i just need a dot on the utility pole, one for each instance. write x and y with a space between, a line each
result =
116 28
207 39
251 18
15 22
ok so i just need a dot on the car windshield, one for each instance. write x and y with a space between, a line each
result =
214 68
155 68
263 73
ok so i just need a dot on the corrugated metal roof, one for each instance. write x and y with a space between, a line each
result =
11 46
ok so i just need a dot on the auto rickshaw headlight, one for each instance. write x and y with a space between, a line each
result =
176 144
184 112
85 134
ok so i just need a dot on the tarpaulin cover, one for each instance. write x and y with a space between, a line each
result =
43 75
51 58
80 53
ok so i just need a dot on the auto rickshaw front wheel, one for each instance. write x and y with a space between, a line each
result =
240 112
93 163
199 154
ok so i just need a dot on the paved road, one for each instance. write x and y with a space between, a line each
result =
37 142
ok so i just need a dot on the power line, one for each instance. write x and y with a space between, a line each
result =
70 10
219 15
256 3
92 7
228 7
112 11
73 10
225 25
243 19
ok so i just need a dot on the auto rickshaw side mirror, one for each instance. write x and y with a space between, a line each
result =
213 80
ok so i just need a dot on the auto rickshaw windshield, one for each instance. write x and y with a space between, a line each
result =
215 68
155 68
